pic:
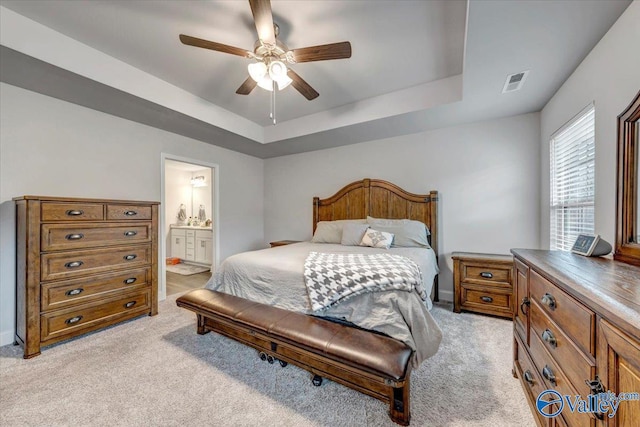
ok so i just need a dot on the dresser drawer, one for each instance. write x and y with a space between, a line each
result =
478 298
71 236
57 295
70 264
486 274
531 379
62 323
574 362
573 318
120 212
51 211
548 370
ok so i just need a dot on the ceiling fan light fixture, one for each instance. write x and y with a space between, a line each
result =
266 83
258 71
283 82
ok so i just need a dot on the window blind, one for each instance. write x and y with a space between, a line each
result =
572 151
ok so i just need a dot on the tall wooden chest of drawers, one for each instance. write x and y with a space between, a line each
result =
82 264
577 332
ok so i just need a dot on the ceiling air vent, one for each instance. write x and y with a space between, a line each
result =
515 81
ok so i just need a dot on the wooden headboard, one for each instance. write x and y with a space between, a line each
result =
379 199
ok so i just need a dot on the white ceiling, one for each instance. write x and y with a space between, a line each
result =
415 64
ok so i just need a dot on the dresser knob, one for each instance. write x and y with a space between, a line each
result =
130 233
130 213
486 299
130 304
525 303
74 264
73 320
548 300
74 212
486 275
74 236
73 292
130 257
547 372
129 281
547 335
528 377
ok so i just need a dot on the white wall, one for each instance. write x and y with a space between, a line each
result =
486 173
54 148
610 77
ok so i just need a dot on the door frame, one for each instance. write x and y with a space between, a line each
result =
215 174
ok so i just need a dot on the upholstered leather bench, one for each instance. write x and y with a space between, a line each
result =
365 361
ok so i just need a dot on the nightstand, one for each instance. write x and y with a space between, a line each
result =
483 283
283 242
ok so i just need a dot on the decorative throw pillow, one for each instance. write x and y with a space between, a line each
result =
352 234
377 239
408 233
331 231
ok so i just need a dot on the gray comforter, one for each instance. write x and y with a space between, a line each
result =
275 276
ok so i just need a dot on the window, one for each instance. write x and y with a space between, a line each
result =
572 150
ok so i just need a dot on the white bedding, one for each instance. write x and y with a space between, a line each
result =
275 276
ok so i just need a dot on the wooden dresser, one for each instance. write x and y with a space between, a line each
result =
577 331
483 283
82 264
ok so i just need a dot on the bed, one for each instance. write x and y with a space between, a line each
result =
275 276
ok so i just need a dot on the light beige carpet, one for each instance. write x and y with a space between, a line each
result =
156 371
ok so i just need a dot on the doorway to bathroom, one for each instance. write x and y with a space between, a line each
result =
188 224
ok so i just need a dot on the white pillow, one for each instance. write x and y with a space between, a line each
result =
377 239
407 232
352 234
331 231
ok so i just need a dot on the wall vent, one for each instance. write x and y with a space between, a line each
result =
515 81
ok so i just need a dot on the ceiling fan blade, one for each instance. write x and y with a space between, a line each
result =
263 18
247 86
206 44
323 52
301 86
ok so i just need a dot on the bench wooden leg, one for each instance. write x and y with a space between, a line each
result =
399 407
201 329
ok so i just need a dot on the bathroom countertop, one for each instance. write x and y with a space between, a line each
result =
190 227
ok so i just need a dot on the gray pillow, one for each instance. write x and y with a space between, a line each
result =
407 232
331 231
352 234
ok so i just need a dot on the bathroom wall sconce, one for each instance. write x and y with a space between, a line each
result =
198 181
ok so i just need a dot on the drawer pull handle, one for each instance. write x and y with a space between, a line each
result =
486 275
130 233
73 264
486 299
130 304
130 257
74 236
549 375
130 213
525 303
548 300
75 212
73 320
73 292
528 377
547 335
130 280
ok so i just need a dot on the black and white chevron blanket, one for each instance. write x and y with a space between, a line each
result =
332 278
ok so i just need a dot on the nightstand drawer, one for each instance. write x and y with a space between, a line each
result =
474 298
491 275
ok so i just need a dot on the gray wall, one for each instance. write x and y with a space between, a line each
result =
54 148
610 77
486 173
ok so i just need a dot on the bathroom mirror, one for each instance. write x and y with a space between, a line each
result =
628 190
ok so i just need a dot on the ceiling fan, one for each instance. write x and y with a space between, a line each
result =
271 56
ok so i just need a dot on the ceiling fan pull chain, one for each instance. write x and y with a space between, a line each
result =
273 102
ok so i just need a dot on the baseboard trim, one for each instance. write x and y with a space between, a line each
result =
445 295
6 338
